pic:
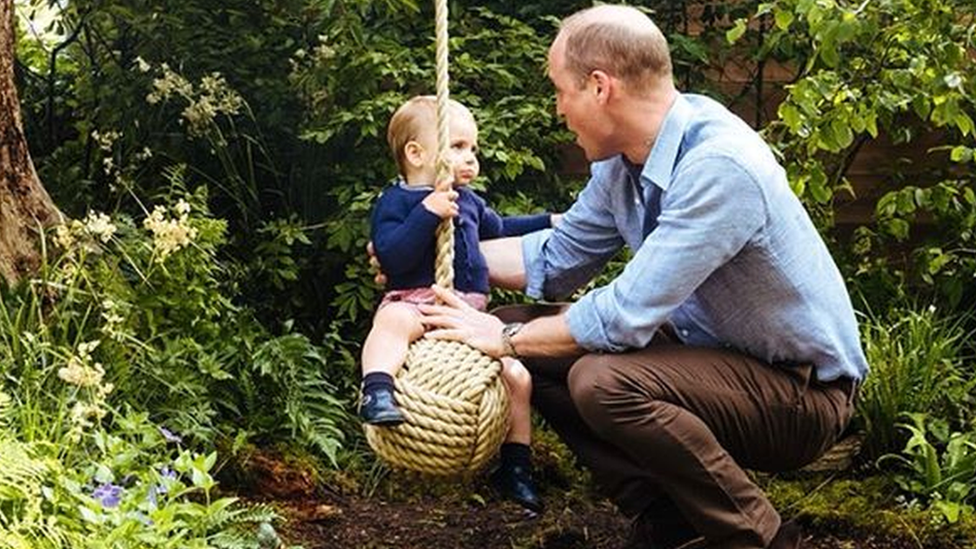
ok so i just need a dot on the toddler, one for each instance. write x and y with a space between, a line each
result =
404 222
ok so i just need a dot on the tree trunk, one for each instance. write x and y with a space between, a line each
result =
25 206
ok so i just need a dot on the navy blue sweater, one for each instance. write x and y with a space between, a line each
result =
404 236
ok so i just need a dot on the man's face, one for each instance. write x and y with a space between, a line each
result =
577 105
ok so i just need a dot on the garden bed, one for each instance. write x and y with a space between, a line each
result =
436 523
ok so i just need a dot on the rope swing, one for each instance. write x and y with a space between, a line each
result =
452 395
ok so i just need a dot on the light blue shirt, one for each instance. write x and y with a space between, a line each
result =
722 249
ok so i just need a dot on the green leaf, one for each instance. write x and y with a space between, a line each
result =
783 19
961 154
843 136
789 114
736 32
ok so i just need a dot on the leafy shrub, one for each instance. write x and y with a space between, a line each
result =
131 487
863 71
147 305
916 357
942 472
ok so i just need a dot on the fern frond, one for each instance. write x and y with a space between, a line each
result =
243 527
6 409
255 513
224 514
19 472
13 540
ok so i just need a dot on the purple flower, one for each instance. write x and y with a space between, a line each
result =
170 436
157 490
167 474
109 495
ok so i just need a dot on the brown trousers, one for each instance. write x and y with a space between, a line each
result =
667 430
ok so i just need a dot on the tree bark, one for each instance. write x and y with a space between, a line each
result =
25 206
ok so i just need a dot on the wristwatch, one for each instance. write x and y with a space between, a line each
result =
508 332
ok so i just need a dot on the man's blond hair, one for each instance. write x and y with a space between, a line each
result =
417 115
619 40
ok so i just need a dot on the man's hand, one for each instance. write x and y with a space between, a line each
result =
443 204
455 320
374 265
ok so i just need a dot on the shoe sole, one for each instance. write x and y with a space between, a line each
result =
385 421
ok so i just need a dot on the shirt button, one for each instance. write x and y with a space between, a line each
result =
684 333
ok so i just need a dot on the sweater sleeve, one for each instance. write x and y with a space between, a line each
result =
523 224
399 228
492 225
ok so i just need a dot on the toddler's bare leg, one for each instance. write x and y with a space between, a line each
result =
395 327
519 383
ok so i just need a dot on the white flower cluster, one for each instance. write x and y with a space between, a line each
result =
171 83
100 226
83 372
170 234
112 314
106 140
95 226
213 97
84 415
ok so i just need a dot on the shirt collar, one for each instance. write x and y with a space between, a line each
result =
402 183
660 163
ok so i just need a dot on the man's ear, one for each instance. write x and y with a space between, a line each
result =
602 85
413 152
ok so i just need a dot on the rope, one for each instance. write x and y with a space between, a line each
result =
444 267
452 395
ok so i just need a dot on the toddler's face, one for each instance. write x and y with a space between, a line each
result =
464 149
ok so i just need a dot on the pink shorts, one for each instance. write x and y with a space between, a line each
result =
425 296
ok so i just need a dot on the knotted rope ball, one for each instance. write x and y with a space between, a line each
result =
452 395
456 408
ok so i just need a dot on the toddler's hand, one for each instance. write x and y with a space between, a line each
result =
442 203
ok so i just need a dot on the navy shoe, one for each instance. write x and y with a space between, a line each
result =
378 407
515 483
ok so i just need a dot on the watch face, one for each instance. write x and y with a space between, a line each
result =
512 328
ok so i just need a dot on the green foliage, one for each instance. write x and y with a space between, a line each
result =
868 71
351 87
917 366
124 487
945 481
148 307
943 256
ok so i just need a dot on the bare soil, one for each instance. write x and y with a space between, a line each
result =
436 524
419 513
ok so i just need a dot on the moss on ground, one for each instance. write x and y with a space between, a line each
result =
869 504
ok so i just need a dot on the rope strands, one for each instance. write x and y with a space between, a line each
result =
452 395
444 267
456 408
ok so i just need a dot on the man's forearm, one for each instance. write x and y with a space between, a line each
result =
546 336
504 259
